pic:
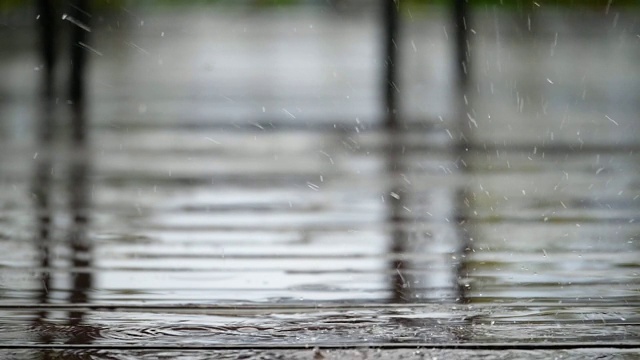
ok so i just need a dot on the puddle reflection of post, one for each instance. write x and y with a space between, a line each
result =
41 195
464 246
396 203
79 243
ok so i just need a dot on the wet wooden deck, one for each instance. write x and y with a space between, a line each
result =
238 197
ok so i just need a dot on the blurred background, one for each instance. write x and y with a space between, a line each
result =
219 63
301 153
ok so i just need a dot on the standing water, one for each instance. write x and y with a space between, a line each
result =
233 187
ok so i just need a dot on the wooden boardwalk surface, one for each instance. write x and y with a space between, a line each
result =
238 199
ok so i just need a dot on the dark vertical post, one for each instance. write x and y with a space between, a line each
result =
79 38
79 202
43 182
461 21
396 193
462 55
45 15
390 17
47 33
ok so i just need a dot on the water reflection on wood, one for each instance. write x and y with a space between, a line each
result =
222 220
43 236
399 269
75 155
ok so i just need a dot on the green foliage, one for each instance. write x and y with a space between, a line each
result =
11 4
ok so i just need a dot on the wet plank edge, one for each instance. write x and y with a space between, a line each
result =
328 346
319 354
302 307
